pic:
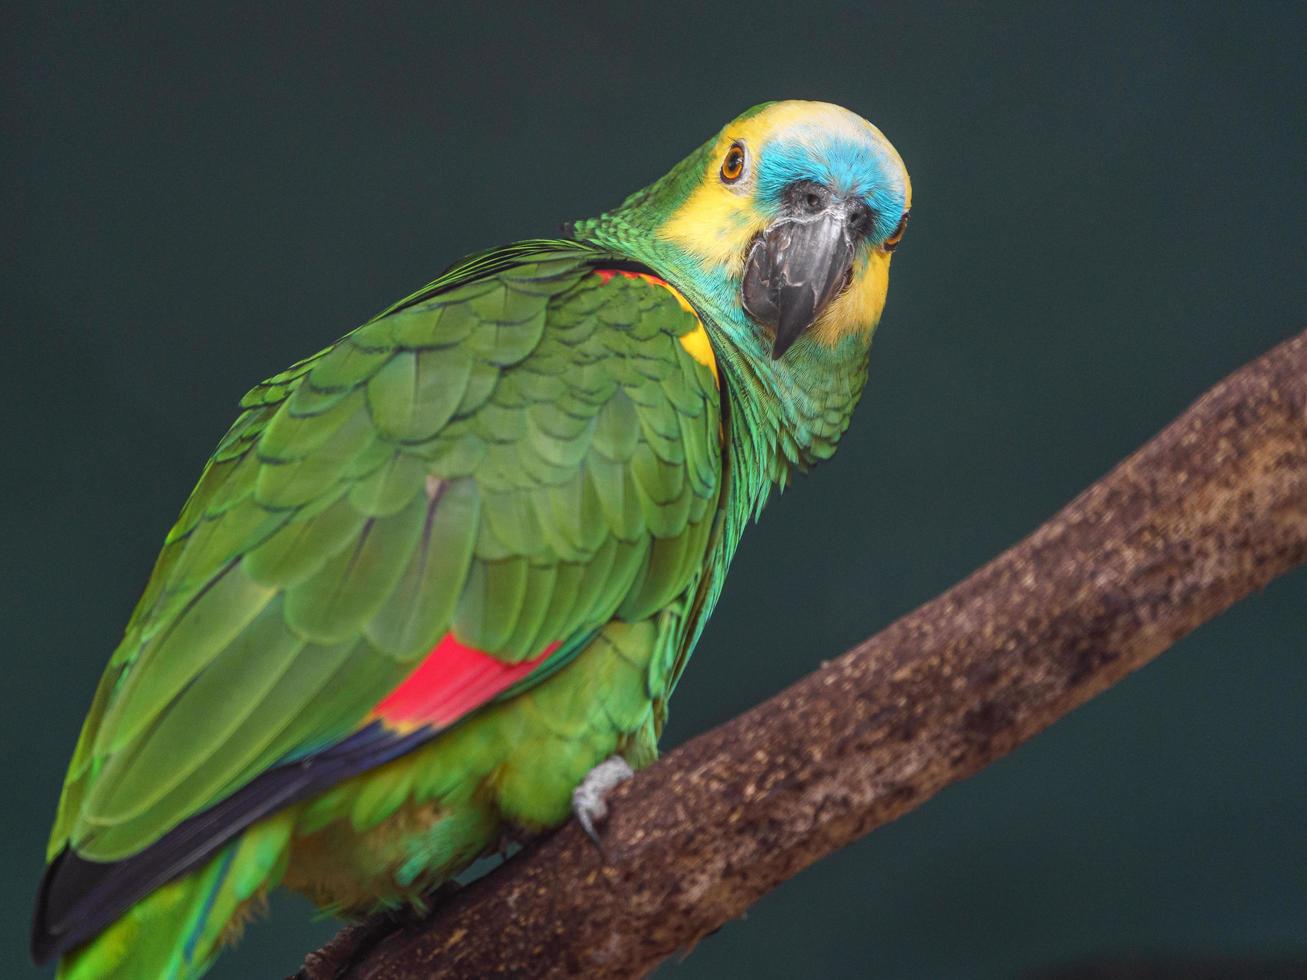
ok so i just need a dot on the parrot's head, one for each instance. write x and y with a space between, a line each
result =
780 227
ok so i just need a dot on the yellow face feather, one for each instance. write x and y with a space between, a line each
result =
857 310
717 222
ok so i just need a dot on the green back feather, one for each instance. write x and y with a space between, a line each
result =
520 452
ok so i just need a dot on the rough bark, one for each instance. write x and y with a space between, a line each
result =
1208 511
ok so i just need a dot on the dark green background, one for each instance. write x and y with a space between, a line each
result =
1109 216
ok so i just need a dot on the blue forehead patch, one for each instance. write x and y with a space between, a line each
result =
850 167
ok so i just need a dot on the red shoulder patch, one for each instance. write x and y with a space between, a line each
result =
452 680
606 275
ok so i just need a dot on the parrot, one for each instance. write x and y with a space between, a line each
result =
437 582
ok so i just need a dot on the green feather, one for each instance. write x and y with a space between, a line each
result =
491 602
291 484
421 607
416 392
336 601
211 621
305 545
388 488
289 436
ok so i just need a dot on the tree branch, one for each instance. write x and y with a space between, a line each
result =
1210 510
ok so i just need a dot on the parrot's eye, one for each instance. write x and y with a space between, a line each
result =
733 164
892 242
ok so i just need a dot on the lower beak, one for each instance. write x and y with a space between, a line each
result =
794 269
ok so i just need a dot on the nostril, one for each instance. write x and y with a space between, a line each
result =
861 220
807 197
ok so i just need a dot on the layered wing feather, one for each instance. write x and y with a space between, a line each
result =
501 463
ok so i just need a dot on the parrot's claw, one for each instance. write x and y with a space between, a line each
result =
590 798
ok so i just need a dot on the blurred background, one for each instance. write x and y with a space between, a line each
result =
1109 216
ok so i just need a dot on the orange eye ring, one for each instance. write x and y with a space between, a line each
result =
733 163
892 242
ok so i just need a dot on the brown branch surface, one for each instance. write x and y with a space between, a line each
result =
1210 510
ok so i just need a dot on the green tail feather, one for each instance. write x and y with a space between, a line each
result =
175 932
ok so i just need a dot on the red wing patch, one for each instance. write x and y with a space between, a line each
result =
453 680
606 275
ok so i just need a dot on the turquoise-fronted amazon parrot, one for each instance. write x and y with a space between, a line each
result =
442 570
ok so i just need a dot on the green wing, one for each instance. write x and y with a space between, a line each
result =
519 452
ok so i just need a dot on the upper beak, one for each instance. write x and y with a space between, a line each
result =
794 269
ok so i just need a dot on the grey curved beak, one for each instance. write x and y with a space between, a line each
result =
794 269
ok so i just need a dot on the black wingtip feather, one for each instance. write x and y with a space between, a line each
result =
44 942
78 898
